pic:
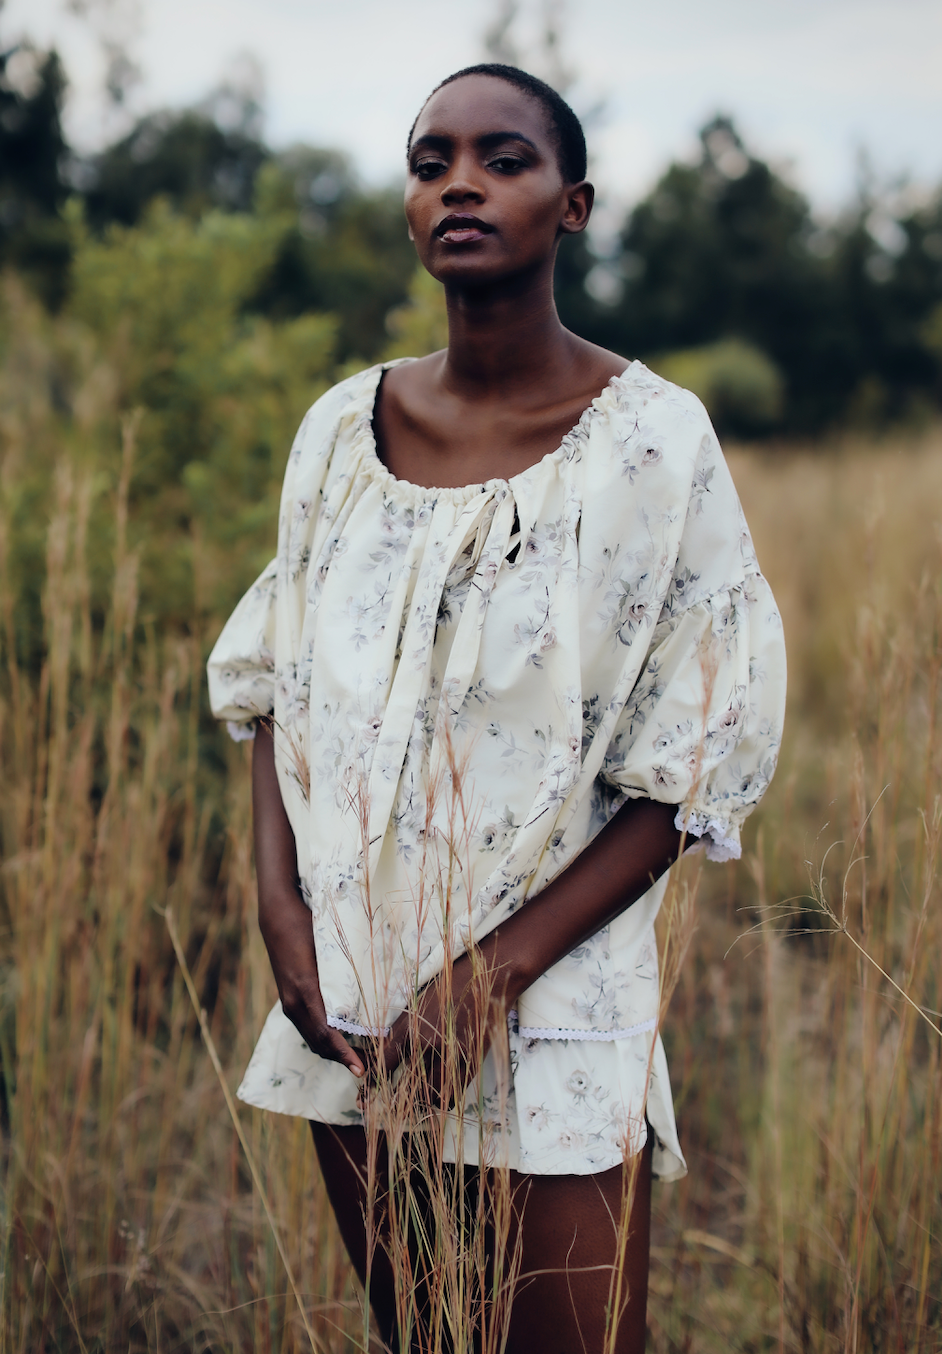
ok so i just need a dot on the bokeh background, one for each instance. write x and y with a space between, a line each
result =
200 230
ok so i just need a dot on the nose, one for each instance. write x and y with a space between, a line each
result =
462 185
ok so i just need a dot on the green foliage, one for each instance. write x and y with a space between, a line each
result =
887 268
185 157
420 326
719 250
932 333
577 310
340 248
32 146
156 330
221 392
348 253
725 248
740 386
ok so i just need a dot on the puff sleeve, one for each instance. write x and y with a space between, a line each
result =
241 667
255 647
702 725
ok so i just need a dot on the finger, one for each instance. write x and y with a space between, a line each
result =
380 1055
338 1050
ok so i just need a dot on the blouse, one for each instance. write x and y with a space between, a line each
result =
466 685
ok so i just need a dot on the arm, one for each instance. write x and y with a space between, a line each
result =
630 852
283 918
628 855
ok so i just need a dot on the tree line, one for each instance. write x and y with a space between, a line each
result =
721 277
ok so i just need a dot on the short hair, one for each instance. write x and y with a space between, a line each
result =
566 127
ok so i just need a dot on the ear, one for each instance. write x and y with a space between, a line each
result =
411 236
579 200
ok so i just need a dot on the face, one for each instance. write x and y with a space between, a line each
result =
485 198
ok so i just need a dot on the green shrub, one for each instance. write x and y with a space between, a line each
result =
157 329
740 385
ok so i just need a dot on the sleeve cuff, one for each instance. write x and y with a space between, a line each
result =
240 733
721 839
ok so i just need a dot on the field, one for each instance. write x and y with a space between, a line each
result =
803 1033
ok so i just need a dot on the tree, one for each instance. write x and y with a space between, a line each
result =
185 157
32 159
720 249
345 250
726 249
342 249
887 270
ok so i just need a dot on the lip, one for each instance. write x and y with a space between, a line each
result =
462 228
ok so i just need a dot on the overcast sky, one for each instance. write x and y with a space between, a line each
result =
809 82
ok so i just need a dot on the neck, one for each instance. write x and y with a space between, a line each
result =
500 338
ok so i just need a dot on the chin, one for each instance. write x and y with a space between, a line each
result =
474 271
478 264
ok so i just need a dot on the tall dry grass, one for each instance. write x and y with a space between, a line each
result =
128 1220
809 1091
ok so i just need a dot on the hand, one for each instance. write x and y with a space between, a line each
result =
288 934
284 919
457 1014
450 1030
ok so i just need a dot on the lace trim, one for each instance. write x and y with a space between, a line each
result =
350 1027
240 733
722 843
524 1031
546 1032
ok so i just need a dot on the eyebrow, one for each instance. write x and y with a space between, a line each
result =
487 142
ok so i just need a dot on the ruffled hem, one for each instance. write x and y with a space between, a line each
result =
722 839
568 1109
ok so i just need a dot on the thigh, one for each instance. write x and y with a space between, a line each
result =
411 1288
347 1169
570 1247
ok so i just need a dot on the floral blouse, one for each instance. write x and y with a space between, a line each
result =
466 685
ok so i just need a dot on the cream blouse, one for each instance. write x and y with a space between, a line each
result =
466 685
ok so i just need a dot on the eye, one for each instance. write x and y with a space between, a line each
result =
428 169
507 164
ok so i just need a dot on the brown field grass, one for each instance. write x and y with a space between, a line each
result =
808 1084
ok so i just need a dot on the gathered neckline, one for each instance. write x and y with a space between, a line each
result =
463 493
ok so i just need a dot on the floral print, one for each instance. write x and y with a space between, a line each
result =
466 685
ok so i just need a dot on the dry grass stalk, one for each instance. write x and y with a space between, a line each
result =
126 1221
817 1154
811 1216
234 1116
455 1250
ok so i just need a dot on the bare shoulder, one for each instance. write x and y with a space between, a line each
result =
414 379
603 363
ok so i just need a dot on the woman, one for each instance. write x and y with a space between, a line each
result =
515 645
